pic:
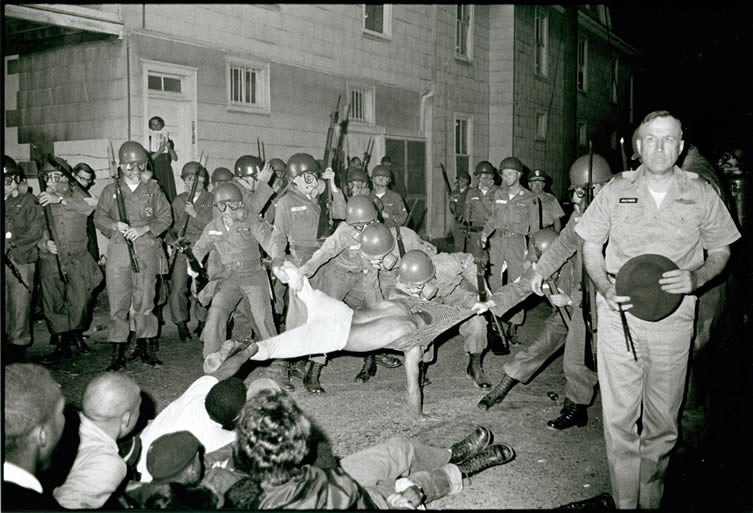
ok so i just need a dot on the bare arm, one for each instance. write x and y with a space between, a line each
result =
414 395
683 281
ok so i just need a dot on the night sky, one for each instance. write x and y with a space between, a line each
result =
696 61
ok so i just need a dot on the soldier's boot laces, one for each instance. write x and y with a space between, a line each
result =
471 445
571 415
281 371
118 357
498 393
497 454
311 379
476 373
367 370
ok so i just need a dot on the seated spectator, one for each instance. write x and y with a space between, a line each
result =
33 423
110 410
274 439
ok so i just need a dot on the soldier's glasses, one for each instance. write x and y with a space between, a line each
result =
232 205
53 177
86 178
309 178
9 180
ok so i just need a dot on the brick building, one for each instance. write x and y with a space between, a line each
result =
431 84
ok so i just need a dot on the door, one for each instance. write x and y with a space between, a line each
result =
409 172
177 126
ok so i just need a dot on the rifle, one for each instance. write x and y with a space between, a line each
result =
122 213
52 230
14 270
498 343
367 155
446 180
588 357
341 163
328 156
260 150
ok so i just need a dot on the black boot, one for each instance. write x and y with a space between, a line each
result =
497 454
388 361
368 370
476 373
311 379
77 339
498 393
200 328
150 354
118 356
139 351
603 502
183 333
512 334
281 370
54 339
423 368
471 445
571 415
62 349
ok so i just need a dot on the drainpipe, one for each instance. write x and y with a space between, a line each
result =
128 84
428 154
426 97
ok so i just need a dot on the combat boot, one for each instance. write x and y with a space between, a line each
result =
150 353
199 328
62 349
118 356
498 393
183 333
476 373
281 370
368 370
77 339
311 379
139 351
512 335
471 445
571 415
497 454
385 360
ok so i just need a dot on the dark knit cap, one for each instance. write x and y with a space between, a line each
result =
225 401
171 453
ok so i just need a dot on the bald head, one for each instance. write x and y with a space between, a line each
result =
109 395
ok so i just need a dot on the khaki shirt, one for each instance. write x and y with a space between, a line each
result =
691 218
551 209
70 225
393 205
516 215
343 245
24 222
203 206
478 206
237 247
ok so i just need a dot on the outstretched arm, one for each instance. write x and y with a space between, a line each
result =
414 393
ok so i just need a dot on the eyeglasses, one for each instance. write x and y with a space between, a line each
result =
129 166
309 178
9 180
53 177
232 205
85 179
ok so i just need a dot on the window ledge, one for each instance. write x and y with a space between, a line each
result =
248 109
377 36
464 59
539 76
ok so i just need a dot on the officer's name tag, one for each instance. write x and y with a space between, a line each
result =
298 209
215 232
473 198
355 247
504 202
628 200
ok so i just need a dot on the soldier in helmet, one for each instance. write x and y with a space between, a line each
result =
278 168
550 210
23 225
357 181
513 217
457 207
221 174
393 209
66 302
235 235
149 216
252 177
296 233
478 205
197 211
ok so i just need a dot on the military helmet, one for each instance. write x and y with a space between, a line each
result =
301 163
277 165
222 174
356 174
49 167
381 170
511 163
416 267
541 240
484 168
376 241
10 167
194 168
248 165
600 171
132 152
360 209
227 191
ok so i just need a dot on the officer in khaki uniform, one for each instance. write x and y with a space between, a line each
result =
65 303
393 209
478 205
198 212
457 207
514 216
296 229
149 216
658 209
550 210
23 225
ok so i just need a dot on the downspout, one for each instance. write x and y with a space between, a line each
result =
428 154
426 97
128 84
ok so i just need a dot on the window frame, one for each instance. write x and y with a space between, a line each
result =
369 102
162 92
468 119
582 65
582 130
263 105
386 22
469 36
541 114
541 68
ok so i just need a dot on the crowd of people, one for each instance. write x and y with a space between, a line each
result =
288 262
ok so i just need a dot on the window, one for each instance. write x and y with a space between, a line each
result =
582 133
541 125
542 36
464 31
463 144
361 103
164 83
615 70
582 64
247 85
377 19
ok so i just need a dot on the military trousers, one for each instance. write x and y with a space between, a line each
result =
473 330
649 389
508 251
17 313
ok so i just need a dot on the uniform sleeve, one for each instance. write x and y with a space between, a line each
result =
102 219
595 223
467 268
467 207
400 214
77 204
163 216
412 241
260 197
718 229
280 232
557 211
29 229
560 250
332 246
264 234
204 245
339 205
179 213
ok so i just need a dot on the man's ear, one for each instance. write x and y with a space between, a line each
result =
682 146
638 146
125 421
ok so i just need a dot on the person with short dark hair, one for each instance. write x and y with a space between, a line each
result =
33 423
162 154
